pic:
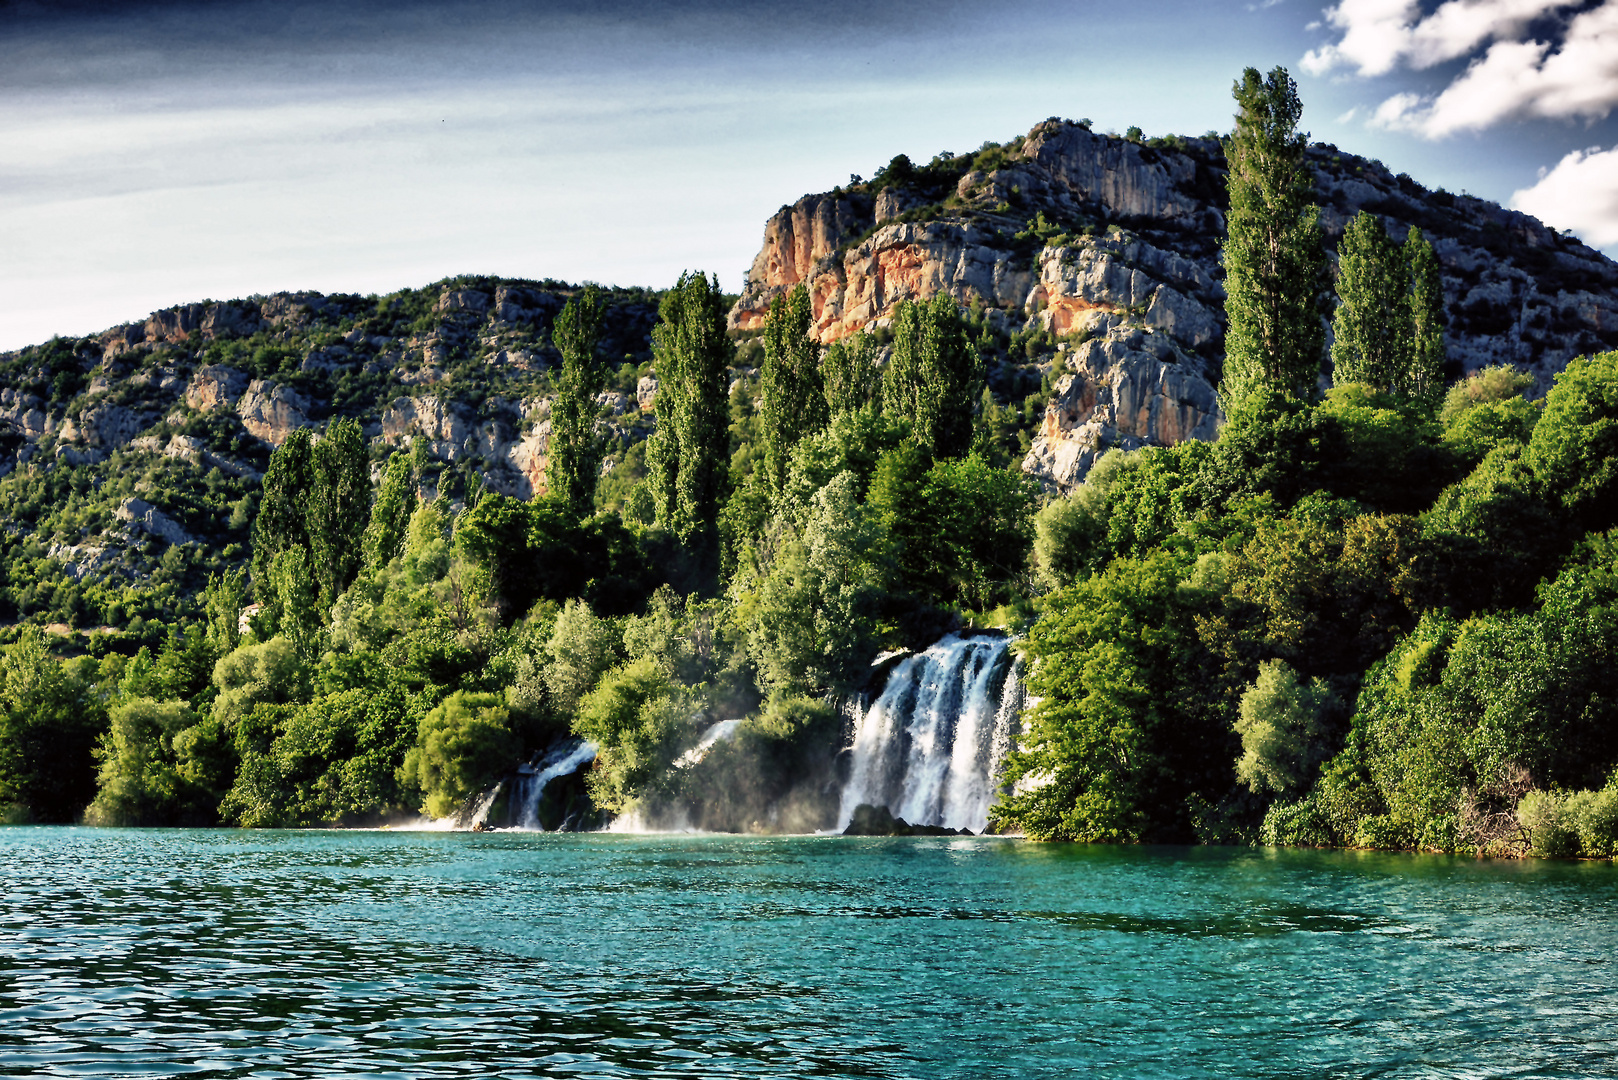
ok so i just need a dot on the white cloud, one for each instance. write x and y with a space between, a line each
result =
1581 194
1512 79
1379 35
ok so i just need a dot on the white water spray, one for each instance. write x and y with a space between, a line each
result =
930 748
563 758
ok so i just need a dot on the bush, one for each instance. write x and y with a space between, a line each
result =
1383 833
636 722
1282 726
1593 815
461 746
1544 818
1296 824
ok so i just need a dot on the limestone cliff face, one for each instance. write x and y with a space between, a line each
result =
1098 239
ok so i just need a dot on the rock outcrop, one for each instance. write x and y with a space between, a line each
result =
1094 236
270 412
215 387
142 515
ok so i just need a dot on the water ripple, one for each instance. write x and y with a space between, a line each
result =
174 953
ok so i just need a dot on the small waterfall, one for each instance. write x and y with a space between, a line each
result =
930 747
563 758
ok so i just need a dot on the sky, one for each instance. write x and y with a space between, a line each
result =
156 154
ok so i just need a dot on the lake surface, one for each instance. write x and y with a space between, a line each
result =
275 954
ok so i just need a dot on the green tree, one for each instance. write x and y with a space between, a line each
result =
935 376
50 721
635 718
223 600
139 779
1372 334
1284 730
850 374
794 402
390 513
574 450
1574 447
462 745
283 510
1275 268
687 459
338 509
1425 382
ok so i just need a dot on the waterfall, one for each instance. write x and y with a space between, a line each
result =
930 747
563 758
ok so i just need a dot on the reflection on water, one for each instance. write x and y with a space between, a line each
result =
158 953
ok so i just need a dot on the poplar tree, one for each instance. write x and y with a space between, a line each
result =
390 513
1388 330
794 398
1275 265
308 536
1371 332
934 376
574 451
282 520
1426 383
850 374
687 459
338 508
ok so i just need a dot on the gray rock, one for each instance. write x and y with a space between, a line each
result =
142 515
215 386
270 412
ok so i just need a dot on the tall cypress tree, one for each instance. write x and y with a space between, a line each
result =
1426 380
574 451
850 374
338 509
934 377
1371 331
1275 266
283 508
794 402
688 458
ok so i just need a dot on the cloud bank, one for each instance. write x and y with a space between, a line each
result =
1581 194
1540 60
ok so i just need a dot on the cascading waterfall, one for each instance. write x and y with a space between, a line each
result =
563 758
930 747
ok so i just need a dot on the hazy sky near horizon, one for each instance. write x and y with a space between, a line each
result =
157 154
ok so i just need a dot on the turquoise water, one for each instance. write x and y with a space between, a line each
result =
131 953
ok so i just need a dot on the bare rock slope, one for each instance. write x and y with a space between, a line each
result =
1111 246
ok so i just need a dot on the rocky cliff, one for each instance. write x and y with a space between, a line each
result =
125 446
1110 246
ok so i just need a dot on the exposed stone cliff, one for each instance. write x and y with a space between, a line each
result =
1113 245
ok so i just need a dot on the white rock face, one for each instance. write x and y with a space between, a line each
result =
215 387
270 412
1126 391
105 427
24 414
142 515
646 391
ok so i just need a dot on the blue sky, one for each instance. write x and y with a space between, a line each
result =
159 154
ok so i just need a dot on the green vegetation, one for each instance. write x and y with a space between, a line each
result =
1386 618
1275 269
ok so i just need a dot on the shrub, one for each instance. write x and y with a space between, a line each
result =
1544 818
1296 824
460 747
1593 815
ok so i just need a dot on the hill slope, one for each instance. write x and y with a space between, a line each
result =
1110 247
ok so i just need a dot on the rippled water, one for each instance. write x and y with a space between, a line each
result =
135 953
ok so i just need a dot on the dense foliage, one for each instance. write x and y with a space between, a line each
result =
1387 617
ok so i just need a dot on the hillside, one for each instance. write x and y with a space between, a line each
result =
129 459
1096 260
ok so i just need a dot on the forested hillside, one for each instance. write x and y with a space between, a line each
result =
313 559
